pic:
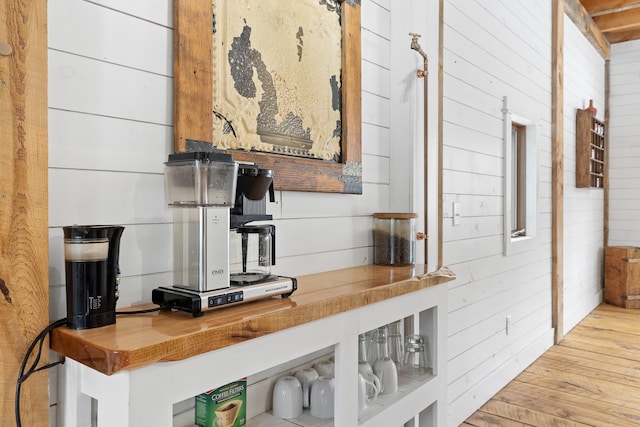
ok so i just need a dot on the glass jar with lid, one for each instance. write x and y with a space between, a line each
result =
394 238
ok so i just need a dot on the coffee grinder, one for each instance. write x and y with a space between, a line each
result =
203 188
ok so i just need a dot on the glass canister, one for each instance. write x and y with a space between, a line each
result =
394 238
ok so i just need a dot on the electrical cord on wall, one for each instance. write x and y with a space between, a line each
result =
22 375
39 342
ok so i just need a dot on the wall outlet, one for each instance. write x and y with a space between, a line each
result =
508 324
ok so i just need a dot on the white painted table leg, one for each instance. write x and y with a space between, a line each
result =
346 374
75 408
123 402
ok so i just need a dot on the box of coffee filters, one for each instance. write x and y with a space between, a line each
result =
223 407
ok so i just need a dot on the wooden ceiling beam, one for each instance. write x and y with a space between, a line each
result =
579 15
622 36
619 21
601 7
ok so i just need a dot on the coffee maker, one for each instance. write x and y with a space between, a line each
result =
212 194
91 255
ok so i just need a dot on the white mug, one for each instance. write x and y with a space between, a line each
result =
324 368
363 398
367 372
287 397
306 376
386 370
322 393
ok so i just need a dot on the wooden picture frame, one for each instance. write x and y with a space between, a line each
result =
193 103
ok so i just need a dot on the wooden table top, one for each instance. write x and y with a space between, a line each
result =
138 340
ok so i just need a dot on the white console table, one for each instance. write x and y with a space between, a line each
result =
138 368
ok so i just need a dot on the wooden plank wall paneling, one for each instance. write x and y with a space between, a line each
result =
440 245
24 296
111 130
607 144
490 285
583 207
624 145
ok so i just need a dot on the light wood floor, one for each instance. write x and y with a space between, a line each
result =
592 378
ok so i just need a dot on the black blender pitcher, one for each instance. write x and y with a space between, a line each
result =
91 266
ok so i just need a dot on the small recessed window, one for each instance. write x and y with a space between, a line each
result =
520 179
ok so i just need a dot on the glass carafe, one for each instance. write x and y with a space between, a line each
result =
255 254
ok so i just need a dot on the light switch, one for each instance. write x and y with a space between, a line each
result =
456 213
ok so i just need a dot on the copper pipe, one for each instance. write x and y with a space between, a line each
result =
422 74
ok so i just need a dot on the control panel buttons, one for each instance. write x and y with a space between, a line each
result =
235 297
217 300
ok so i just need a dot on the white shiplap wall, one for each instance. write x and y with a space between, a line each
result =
583 207
110 92
495 49
624 145
110 130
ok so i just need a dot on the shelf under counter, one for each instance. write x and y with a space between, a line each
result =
389 406
141 339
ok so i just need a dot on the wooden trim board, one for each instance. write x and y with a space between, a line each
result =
24 240
577 13
557 168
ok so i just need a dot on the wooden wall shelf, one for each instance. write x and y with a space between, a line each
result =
590 150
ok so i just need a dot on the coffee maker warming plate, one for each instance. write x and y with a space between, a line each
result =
197 303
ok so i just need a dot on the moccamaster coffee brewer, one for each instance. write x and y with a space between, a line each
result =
91 265
203 188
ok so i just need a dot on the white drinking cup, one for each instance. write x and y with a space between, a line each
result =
322 395
367 373
287 397
306 376
363 398
324 368
386 370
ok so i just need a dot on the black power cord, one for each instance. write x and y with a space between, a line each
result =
148 310
22 375
39 341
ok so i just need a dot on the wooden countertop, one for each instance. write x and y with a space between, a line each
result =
138 340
